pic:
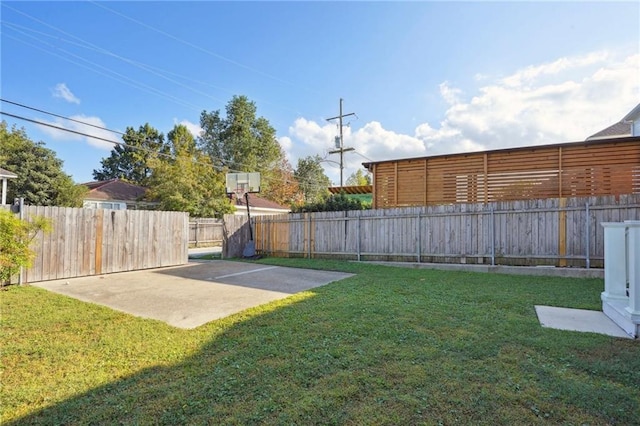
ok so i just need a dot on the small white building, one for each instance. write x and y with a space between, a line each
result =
4 175
258 206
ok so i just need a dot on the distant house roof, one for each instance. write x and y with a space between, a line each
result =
114 189
7 174
633 115
256 202
621 129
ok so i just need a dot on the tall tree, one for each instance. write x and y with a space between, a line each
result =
129 162
358 178
241 141
312 180
284 188
187 181
41 180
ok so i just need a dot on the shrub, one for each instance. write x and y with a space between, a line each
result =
334 203
15 238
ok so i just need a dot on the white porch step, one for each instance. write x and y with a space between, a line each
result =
617 312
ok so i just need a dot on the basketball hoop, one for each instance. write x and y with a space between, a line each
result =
241 184
240 192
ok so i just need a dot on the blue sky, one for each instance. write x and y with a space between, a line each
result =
424 78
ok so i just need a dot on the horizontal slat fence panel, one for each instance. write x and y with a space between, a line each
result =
561 232
593 168
87 242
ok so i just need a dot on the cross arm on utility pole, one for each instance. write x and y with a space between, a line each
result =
341 150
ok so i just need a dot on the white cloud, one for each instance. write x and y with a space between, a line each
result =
450 94
370 142
84 129
193 128
63 92
565 100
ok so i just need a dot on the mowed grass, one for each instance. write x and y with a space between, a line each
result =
388 346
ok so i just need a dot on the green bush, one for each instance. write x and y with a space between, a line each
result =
334 203
15 238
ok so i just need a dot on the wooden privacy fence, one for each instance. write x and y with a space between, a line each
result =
236 234
205 231
97 241
561 232
582 169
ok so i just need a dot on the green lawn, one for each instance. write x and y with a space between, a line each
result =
387 346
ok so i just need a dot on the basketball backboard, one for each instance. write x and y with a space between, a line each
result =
241 183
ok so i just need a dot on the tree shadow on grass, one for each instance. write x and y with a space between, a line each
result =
361 353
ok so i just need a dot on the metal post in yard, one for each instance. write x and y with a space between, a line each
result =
587 226
493 237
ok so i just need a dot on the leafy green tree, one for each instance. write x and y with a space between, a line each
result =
242 141
129 162
312 180
40 180
358 178
15 238
187 181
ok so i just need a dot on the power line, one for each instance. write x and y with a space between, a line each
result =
220 168
201 49
117 76
213 159
60 116
95 67
159 72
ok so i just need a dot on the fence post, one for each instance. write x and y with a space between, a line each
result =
493 236
587 230
419 238
196 231
309 240
358 236
562 233
266 239
21 275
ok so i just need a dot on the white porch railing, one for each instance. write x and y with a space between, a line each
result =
621 295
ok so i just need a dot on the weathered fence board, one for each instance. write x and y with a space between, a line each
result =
561 232
205 231
95 241
236 234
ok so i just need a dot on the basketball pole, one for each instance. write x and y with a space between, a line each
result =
246 197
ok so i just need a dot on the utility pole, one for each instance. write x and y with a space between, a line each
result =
340 147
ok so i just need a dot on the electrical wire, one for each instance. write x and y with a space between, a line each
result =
60 116
215 160
220 168
122 78
159 72
200 48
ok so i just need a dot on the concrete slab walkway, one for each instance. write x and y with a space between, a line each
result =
578 320
191 295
